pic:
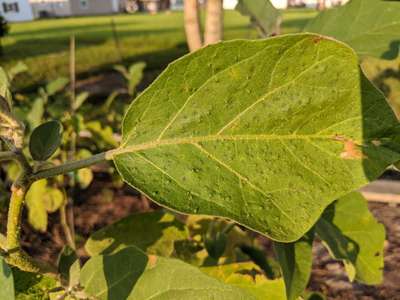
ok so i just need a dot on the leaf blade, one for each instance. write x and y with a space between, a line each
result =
352 234
357 24
6 281
153 233
130 274
296 107
296 262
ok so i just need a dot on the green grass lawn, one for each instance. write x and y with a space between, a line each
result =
157 39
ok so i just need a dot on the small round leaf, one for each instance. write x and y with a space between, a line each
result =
45 140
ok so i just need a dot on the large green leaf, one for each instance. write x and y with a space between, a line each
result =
154 233
352 234
242 275
371 27
130 274
6 281
296 263
267 133
262 13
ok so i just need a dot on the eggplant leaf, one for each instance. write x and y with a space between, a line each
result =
352 234
247 276
153 233
130 274
371 27
262 13
296 262
6 281
266 133
45 140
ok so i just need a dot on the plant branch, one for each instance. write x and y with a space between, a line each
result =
69 167
66 228
15 255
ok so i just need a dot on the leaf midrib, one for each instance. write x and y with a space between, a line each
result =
210 138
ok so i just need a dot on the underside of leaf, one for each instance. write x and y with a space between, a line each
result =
266 133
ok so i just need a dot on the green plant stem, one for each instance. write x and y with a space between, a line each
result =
14 216
66 227
69 167
15 255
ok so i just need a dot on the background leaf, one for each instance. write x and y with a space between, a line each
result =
6 281
80 99
35 115
45 140
296 262
153 233
17 69
262 13
370 27
243 128
56 86
31 286
352 234
135 76
130 274
69 266
247 276
37 213
40 200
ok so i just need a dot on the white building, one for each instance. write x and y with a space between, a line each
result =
282 4
16 10
50 8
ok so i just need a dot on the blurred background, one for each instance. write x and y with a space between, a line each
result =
99 55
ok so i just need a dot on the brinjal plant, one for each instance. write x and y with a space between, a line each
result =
274 135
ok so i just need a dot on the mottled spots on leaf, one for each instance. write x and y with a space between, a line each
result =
352 151
152 261
317 39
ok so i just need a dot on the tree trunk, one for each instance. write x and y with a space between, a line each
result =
192 24
214 22
321 5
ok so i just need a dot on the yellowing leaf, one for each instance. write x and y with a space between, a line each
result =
247 276
53 199
37 213
84 177
153 233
